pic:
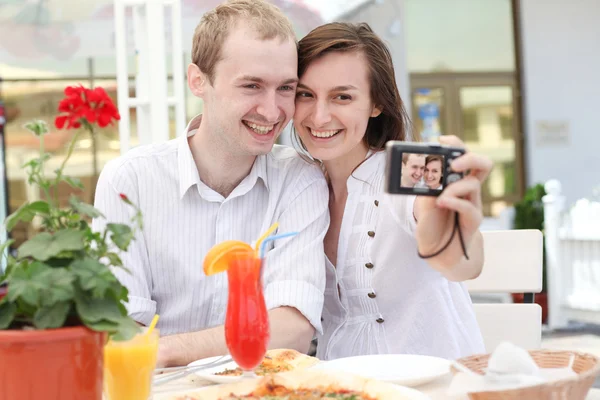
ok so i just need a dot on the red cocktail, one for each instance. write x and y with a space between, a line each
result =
247 322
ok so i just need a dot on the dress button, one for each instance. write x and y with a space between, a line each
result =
372 295
376 203
369 265
380 320
371 233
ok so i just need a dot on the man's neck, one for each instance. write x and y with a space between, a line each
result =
217 167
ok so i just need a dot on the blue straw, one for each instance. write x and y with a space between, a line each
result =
271 238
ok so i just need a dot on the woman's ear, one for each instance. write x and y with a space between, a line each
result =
375 112
196 80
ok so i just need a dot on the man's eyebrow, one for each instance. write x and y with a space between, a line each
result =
256 79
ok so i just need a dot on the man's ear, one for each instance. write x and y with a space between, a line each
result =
376 111
197 80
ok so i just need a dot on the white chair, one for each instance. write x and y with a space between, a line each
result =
513 264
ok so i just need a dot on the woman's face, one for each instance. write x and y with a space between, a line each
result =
433 174
333 105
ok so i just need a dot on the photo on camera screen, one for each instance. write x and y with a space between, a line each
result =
422 172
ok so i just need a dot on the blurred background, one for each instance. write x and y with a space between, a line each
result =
517 80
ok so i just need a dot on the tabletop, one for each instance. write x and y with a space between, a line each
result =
436 390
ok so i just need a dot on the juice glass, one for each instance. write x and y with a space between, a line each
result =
247 322
129 367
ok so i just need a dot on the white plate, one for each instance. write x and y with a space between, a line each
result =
401 369
208 374
406 393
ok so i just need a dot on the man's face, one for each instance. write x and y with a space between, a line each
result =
412 171
252 95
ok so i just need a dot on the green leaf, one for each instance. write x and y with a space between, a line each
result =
22 286
37 127
92 309
23 213
44 245
128 328
53 316
114 259
93 276
40 207
104 326
73 182
121 235
84 208
58 286
7 314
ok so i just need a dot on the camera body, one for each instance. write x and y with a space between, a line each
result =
420 169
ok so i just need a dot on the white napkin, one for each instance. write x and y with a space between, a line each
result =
509 367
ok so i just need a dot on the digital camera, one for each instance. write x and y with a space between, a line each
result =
421 169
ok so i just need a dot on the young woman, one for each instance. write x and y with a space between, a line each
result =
381 296
433 171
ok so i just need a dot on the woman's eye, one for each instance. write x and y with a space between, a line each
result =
303 94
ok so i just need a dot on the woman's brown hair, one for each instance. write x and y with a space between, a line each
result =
393 122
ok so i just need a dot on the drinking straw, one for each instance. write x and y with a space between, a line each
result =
152 324
271 238
264 235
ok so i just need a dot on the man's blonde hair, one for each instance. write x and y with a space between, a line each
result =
267 20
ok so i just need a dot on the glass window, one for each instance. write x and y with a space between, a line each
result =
459 35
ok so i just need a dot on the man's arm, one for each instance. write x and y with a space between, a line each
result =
117 178
293 278
289 329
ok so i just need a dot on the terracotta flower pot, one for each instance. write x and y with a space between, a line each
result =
53 364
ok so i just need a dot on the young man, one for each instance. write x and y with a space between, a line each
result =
220 181
413 166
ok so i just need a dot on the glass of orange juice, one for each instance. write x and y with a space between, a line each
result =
129 367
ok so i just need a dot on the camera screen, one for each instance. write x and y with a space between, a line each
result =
422 172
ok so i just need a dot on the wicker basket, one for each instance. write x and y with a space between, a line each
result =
585 365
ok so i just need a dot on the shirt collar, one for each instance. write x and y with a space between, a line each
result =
188 172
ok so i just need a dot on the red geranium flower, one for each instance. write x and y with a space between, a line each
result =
82 104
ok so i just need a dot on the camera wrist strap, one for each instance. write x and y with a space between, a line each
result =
460 238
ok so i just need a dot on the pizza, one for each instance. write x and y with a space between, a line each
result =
300 385
277 360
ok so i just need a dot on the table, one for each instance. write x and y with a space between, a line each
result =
436 389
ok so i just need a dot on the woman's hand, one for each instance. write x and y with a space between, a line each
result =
436 217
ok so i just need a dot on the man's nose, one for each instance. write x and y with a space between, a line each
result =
269 108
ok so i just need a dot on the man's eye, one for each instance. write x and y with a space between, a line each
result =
287 88
251 86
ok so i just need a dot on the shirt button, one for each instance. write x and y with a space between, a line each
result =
371 233
379 320
369 265
376 203
372 295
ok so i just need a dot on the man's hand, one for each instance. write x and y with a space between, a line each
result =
436 217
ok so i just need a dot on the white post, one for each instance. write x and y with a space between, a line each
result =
157 71
554 203
122 76
152 102
178 74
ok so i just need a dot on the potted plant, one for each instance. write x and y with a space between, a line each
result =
62 299
529 214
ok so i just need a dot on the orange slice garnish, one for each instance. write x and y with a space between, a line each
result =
218 257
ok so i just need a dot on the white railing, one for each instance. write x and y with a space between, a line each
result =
152 100
572 258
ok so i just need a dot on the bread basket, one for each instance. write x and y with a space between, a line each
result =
587 367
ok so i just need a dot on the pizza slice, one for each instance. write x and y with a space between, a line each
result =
300 385
277 360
